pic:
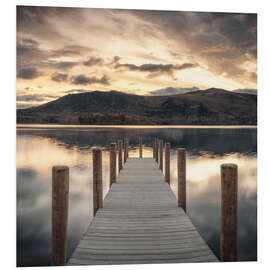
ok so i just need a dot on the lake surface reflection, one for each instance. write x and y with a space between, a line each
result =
41 147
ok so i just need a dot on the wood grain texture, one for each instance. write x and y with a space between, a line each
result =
181 169
140 223
228 235
97 180
125 150
156 149
153 147
161 155
120 155
112 163
60 191
167 162
140 146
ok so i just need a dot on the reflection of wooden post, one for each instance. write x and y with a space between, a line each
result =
140 146
120 163
60 190
167 163
112 163
228 237
97 180
161 154
181 167
156 149
154 144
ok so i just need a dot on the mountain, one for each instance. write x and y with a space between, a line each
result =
246 91
204 107
172 91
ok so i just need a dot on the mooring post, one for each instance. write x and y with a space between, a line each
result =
97 180
60 191
167 162
161 154
228 237
181 168
156 149
140 146
120 163
112 163
126 149
153 147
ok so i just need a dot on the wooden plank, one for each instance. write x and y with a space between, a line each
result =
140 222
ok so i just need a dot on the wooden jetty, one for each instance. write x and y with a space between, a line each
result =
140 220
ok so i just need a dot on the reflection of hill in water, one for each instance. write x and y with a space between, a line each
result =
215 141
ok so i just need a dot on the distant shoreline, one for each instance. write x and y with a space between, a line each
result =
59 126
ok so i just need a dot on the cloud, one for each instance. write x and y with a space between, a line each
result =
35 97
59 77
28 73
29 53
93 61
70 50
221 41
115 60
63 64
224 44
172 91
76 91
253 76
246 91
84 80
156 69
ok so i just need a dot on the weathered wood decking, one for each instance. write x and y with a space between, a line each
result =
140 222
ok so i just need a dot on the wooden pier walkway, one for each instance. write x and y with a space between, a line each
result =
140 222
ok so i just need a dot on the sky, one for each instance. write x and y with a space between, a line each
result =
73 50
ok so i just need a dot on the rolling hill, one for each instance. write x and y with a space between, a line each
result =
208 107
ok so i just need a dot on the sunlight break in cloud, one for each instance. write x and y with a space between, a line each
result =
135 51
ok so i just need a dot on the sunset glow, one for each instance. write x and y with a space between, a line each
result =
72 50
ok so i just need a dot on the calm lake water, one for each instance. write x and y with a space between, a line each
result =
39 147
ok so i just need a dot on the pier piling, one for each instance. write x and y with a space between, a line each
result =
153 147
126 150
97 180
181 168
112 163
140 146
156 149
60 192
228 237
167 162
161 155
120 154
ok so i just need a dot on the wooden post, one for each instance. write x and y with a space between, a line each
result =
112 163
97 180
161 154
140 146
228 237
126 150
156 149
167 162
120 163
181 168
60 190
